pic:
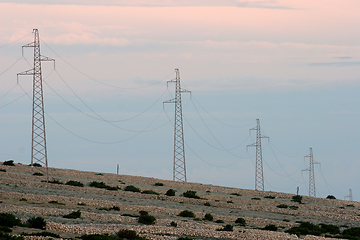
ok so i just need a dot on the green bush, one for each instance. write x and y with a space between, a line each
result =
207 204
127 234
255 198
270 197
229 201
236 194
38 174
102 185
74 183
35 165
227 227
271 227
56 202
142 213
76 214
23 200
240 221
146 219
150 192
173 224
158 184
329 228
55 182
115 208
351 232
81 204
42 234
296 198
2 170
208 217
294 207
219 221
185 238
330 197
36 222
6 236
9 220
305 228
282 206
99 237
191 194
187 213
170 192
5 229
9 163
131 188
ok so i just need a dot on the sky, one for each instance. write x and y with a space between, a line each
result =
294 65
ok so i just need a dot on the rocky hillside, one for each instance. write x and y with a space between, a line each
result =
106 203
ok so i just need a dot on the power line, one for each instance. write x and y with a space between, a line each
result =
100 117
98 142
15 40
10 66
216 118
106 84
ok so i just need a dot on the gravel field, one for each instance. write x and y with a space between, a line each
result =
53 201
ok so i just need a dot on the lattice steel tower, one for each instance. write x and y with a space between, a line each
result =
350 196
179 170
38 142
259 173
312 191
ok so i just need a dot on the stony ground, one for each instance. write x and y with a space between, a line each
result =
27 196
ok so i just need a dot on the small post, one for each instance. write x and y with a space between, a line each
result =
117 169
297 191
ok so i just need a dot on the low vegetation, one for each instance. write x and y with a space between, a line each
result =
102 185
41 234
158 184
208 217
74 183
131 188
170 192
2 170
9 220
187 213
297 198
191 194
270 197
73 215
9 163
36 222
227 227
330 197
150 192
240 221
38 174
236 194
271 227
146 218
114 208
55 182
6 236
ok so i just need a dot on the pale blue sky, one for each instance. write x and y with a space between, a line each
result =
293 64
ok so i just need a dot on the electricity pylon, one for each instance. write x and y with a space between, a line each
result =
350 196
179 170
38 142
259 173
312 191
